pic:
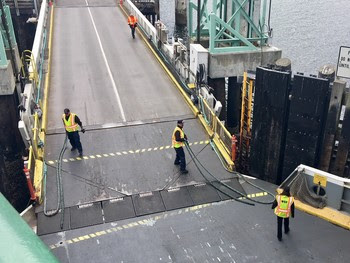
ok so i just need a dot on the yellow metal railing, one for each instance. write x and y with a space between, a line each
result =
31 162
246 121
217 127
247 104
35 160
28 58
38 152
224 135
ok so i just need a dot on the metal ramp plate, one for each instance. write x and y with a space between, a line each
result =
118 209
148 203
176 198
86 215
203 194
234 183
51 224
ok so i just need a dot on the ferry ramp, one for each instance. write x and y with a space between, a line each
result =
128 105
125 200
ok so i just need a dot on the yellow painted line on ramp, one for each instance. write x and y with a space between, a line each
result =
138 223
121 153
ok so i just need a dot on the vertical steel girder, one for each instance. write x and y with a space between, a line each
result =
8 19
225 34
3 57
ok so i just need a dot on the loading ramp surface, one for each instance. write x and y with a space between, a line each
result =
129 108
219 232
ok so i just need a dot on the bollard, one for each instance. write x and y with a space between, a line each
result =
283 64
327 72
234 147
30 185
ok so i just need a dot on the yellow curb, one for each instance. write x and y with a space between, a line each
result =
329 214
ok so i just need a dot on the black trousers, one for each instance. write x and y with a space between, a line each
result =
180 158
132 31
74 140
279 226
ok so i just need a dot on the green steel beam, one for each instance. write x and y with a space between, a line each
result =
225 35
212 43
235 40
3 57
18 242
9 24
237 14
215 6
251 12
263 14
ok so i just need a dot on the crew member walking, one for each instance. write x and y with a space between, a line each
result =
178 140
71 122
284 207
132 22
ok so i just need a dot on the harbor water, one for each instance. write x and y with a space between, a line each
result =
309 32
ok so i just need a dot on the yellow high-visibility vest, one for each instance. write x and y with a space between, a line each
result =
70 125
284 204
175 143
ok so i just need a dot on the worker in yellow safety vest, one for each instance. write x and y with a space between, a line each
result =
284 207
132 22
178 140
71 122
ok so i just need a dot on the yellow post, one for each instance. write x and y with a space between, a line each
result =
35 136
244 92
250 99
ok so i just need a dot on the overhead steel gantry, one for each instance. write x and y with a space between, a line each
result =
230 25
